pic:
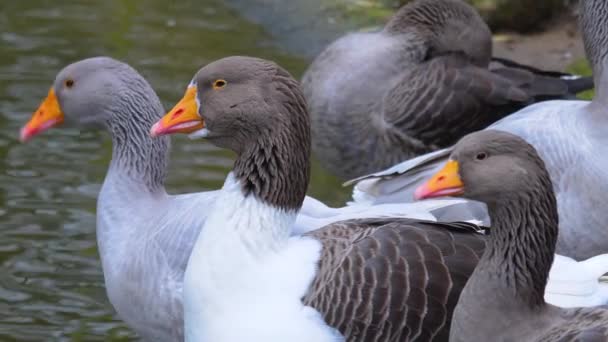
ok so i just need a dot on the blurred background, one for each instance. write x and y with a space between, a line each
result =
51 285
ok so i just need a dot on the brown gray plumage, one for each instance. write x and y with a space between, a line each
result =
399 279
393 280
569 136
266 163
504 298
378 279
420 84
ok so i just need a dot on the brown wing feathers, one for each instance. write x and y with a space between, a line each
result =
453 96
392 280
457 97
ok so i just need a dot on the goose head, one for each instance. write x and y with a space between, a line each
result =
488 166
89 94
234 101
256 109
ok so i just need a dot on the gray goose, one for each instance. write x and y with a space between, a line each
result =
142 245
503 299
418 85
356 280
145 235
571 138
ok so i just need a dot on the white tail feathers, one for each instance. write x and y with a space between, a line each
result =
576 284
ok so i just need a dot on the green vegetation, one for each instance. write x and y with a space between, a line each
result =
582 67
367 13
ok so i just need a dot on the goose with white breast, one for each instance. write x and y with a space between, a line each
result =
248 278
144 234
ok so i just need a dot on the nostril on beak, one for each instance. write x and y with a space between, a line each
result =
177 113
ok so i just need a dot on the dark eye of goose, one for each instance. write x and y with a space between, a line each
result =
218 84
69 83
481 156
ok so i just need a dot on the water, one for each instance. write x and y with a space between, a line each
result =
51 285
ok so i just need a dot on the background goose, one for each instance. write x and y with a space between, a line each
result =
144 234
571 138
247 279
420 84
503 299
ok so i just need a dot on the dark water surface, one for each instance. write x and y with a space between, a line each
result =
51 285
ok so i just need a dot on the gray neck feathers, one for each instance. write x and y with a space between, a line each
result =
594 26
275 167
141 157
522 242
445 26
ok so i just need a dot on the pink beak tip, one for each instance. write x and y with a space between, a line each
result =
24 135
155 130
421 192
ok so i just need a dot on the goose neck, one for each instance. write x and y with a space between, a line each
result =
521 246
258 204
274 165
246 221
593 21
136 157
268 184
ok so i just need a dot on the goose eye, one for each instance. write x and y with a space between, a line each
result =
69 83
481 156
218 84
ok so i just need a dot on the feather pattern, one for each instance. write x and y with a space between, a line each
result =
145 236
568 135
393 280
572 158
382 279
416 86
504 298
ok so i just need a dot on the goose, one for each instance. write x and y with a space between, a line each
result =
418 85
144 234
568 134
249 278
571 283
503 299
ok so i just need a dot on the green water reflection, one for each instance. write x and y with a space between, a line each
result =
51 285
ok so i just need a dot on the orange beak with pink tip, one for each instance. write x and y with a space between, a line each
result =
446 182
47 115
183 118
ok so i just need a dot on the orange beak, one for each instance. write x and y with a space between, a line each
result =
48 115
446 182
183 118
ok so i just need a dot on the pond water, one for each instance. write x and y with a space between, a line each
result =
51 285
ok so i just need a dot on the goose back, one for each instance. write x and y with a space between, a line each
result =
447 26
568 135
393 279
574 160
416 86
